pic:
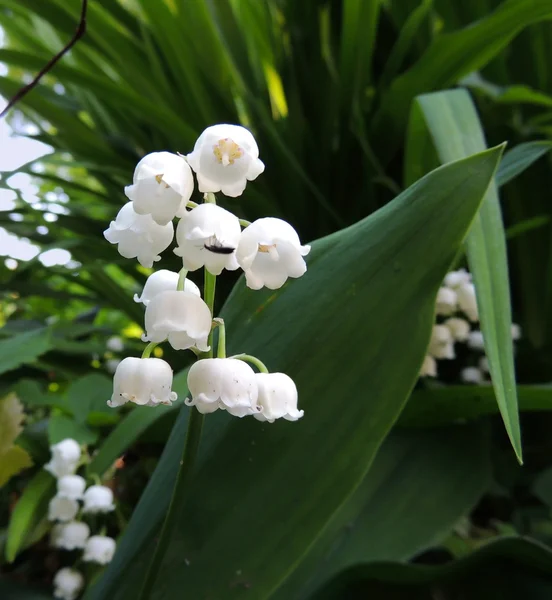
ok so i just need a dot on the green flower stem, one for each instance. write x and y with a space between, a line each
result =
191 204
210 198
181 279
187 462
148 349
253 360
244 223
221 348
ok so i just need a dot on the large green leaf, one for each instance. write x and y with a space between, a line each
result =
450 120
263 493
24 348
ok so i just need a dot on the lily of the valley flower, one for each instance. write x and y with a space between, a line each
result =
68 583
224 158
455 279
460 328
429 367
70 536
99 549
277 398
467 301
98 499
144 381
71 486
208 235
269 252
162 185
223 383
181 317
65 458
476 341
62 509
115 344
441 344
139 236
163 281
446 301
472 375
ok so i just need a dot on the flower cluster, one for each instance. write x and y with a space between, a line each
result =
269 251
456 311
72 502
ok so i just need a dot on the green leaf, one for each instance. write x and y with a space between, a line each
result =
452 124
89 394
518 159
13 459
368 280
12 462
61 427
23 348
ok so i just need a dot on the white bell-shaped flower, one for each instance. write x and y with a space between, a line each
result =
111 364
484 364
65 458
115 344
144 381
181 317
476 341
208 236
429 367
467 301
516 331
277 398
62 509
162 185
71 486
472 375
225 383
71 536
224 158
68 583
269 252
446 301
455 279
441 344
99 549
98 499
460 328
163 281
139 236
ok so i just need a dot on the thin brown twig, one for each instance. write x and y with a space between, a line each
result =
81 28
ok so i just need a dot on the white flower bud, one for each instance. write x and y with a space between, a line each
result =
70 536
98 499
62 509
277 398
162 185
446 301
115 344
224 158
71 486
467 301
225 383
99 549
181 317
144 381
475 341
163 281
472 375
68 583
441 344
139 236
460 328
208 236
269 252
516 331
65 458
429 367
455 279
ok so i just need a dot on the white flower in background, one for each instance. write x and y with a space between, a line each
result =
65 458
467 300
516 331
441 344
455 279
99 549
162 185
144 381
111 364
484 364
277 398
163 281
71 486
181 317
460 328
208 236
98 499
224 158
475 341
71 536
62 509
68 583
472 375
429 367
269 252
225 383
139 236
446 301
115 344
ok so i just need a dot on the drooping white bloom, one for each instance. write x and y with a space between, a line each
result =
181 317
70 536
484 364
455 279
208 236
441 344
467 301
277 398
111 364
269 252
163 281
65 458
472 375
62 509
98 499
429 367
446 301
460 328
144 381
516 331
71 486
139 236
99 549
115 344
224 158
68 583
225 383
162 185
475 341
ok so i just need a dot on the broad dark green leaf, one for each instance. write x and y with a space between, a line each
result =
89 393
24 348
61 427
